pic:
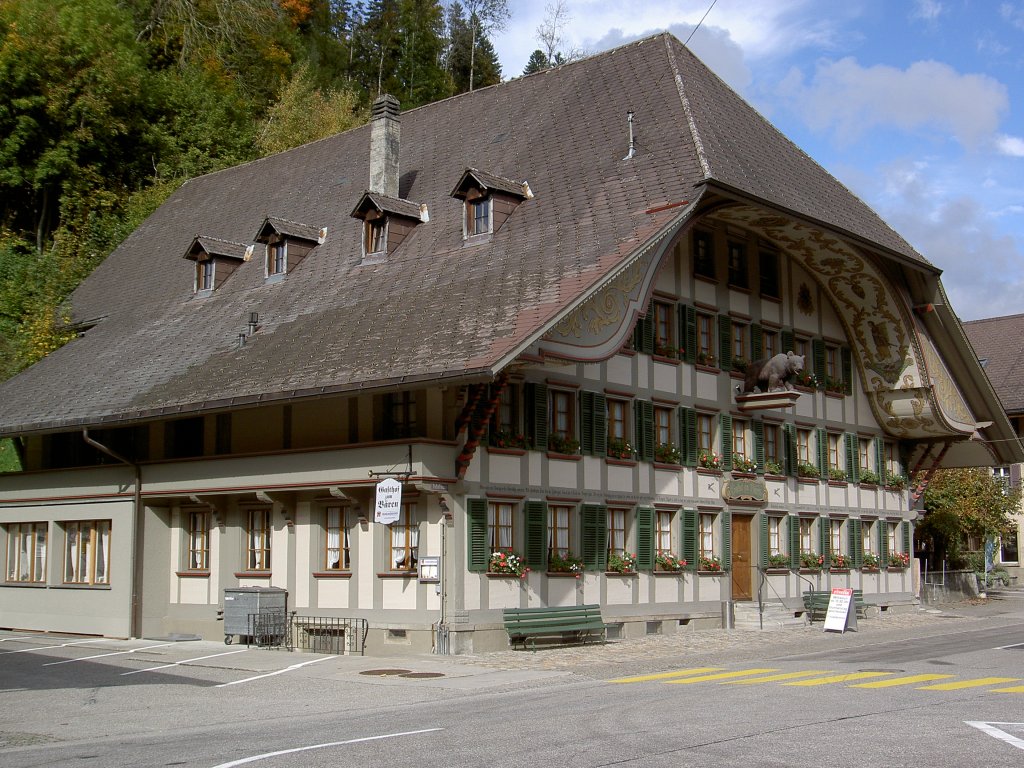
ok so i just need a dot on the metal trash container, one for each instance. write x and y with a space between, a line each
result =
256 613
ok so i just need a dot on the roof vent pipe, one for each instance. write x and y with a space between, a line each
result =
385 133
241 340
254 321
632 144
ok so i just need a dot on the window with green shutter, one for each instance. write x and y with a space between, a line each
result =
847 362
688 436
907 536
644 420
788 340
726 540
725 342
537 414
758 427
789 448
793 526
477 549
756 342
690 534
593 423
645 538
822 450
594 536
855 542
643 332
818 361
725 432
880 460
688 332
536 549
824 540
883 542
852 457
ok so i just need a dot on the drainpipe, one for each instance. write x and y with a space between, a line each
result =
134 619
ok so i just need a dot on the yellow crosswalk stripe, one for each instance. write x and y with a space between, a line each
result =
1011 689
839 678
665 675
901 681
978 683
719 676
774 678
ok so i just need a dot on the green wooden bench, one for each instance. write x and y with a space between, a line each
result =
816 604
569 623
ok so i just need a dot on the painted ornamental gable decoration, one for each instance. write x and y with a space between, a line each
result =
910 392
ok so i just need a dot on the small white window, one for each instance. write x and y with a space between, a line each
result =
277 258
478 216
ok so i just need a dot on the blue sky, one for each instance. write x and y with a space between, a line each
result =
915 105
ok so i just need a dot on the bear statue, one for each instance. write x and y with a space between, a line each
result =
773 374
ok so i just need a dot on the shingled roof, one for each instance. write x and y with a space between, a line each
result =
999 342
434 309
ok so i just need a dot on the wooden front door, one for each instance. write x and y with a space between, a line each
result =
742 558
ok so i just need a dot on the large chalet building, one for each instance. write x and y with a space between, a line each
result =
531 305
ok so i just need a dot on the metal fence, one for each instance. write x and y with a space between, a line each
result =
319 634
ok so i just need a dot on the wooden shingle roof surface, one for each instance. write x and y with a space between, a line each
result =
999 341
435 308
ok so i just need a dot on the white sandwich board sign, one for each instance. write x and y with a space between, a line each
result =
841 614
388 507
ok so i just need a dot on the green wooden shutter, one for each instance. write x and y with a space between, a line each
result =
818 360
725 427
725 342
847 360
787 341
477 553
883 542
762 553
688 436
793 525
536 549
855 540
537 400
823 465
852 457
594 535
644 419
643 331
759 445
907 536
824 540
880 460
645 538
756 342
593 423
688 332
726 540
587 422
789 447
689 528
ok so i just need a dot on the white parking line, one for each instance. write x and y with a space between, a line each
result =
183 661
997 733
48 647
254 758
16 637
104 655
1008 647
278 672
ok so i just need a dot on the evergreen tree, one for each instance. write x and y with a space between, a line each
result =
472 61
538 63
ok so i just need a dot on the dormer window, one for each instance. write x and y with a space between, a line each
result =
288 243
387 221
478 217
489 200
375 235
277 258
215 260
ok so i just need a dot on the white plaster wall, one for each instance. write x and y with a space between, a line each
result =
620 370
620 589
504 592
332 593
707 386
399 594
562 590
667 589
562 474
304 545
667 483
666 377
506 470
362 542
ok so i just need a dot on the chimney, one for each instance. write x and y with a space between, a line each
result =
385 132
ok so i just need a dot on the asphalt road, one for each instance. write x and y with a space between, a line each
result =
887 699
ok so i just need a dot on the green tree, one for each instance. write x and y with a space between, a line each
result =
471 59
960 503
538 63
304 113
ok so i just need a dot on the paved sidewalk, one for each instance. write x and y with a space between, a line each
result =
689 647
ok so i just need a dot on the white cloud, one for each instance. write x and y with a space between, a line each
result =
852 100
1010 145
929 10
955 233
1013 13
